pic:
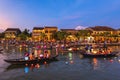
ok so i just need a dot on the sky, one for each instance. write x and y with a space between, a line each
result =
61 13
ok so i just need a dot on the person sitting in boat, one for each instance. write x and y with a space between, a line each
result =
86 48
109 51
26 56
100 50
31 56
36 54
46 54
45 46
89 47
41 56
105 46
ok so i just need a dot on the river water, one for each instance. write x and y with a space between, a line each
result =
70 66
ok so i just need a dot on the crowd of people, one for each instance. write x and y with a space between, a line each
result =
36 55
98 49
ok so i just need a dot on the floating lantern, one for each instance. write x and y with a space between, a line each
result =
95 52
119 60
111 60
71 62
45 62
66 62
37 66
26 69
26 64
70 49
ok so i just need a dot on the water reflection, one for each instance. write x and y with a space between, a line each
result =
26 69
95 63
77 66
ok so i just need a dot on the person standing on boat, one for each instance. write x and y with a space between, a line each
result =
31 56
90 48
36 54
105 46
87 46
45 54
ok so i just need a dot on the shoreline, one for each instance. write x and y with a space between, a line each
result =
73 45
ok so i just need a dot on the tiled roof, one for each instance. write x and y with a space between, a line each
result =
51 27
38 28
102 28
12 29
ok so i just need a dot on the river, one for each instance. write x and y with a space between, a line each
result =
70 66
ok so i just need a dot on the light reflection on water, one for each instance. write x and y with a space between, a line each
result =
69 67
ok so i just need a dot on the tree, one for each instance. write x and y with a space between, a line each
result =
77 35
106 34
2 35
83 33
24 35
42 36
60 35
26 32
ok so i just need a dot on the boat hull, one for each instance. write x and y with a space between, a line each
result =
22 61
98 55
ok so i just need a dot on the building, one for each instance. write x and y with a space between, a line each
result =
12 33
49 31
103 33
71 34
69 31
43 33
36 33
118 32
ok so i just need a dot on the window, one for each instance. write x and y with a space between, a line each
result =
46 31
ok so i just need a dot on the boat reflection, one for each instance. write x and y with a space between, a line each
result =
32 65
95 63
27 67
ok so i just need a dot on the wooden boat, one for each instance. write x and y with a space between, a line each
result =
16 66
99 55
1 50
23 61
98 52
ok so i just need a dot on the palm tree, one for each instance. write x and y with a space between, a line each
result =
2 35
22 36
106 35
60 35
42 36
26 32
83 33
77 35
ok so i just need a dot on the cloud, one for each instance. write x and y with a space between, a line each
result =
80 27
